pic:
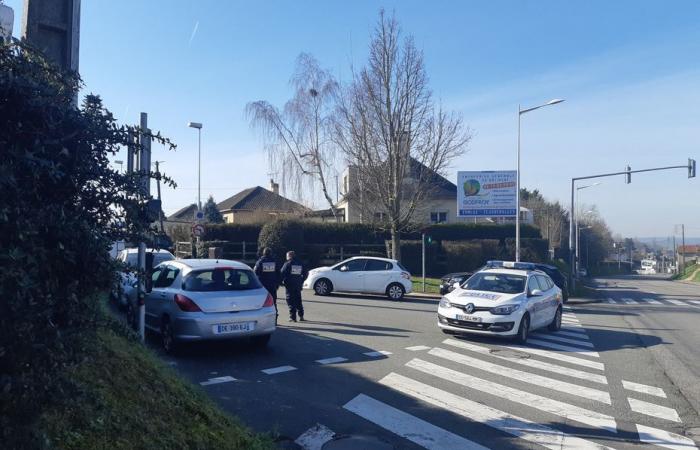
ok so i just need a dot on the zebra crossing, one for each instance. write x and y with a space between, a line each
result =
660 301
510 388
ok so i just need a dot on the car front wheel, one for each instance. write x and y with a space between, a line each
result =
523 330
323 287
395 291
556 322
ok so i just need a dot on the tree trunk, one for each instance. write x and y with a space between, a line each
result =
395 243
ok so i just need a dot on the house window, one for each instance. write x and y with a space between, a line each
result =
438 217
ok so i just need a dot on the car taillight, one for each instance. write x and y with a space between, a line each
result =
186 303
268 301
406 275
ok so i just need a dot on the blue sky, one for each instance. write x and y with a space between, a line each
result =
628 70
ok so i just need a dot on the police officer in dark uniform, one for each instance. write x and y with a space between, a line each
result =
267 270
293 276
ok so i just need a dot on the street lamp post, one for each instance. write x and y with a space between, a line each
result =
517 194
121 163
198 126
576 261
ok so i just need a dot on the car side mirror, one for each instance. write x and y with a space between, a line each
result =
456 285
343 268
535 293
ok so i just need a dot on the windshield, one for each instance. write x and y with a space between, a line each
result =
221 280
496 282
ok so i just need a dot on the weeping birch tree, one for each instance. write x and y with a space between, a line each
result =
298 136
391 129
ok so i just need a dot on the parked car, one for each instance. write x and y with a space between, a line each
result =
448 281
205 299
125 290
503 299
364 274
558 278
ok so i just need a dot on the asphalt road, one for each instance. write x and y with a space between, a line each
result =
620 374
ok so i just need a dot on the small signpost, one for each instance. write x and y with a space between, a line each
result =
198 230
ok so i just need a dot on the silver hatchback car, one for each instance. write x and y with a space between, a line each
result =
205 299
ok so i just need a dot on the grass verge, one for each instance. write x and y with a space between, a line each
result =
432 285
126 398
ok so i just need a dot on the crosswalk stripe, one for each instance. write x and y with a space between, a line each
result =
536 364
576 335
576 327
565 319
569 316
377 354
527 430
643 388
653 301
334 360
676 302
525 377
654 410
276 370
694 302
610 300
664 439
564 340
217 380
555 407
407 426
629 301
417 348
564 348
559 356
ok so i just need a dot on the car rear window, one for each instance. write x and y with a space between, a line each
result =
402 267
221 279
375 264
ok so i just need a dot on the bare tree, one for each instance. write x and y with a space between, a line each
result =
298 137
389 127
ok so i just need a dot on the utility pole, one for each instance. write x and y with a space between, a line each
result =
423 257
144 172
675 254
683 246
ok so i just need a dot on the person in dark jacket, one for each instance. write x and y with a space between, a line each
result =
293 276
267 270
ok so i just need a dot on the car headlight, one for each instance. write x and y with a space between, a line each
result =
505 309
444 303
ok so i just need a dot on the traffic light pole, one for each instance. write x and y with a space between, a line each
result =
628 177
423 257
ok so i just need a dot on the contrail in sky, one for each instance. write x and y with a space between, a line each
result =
194 32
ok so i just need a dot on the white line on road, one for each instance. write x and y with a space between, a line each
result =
280 369
574 329
610 300
676 302
694 302
561 409
407 426
629 301
417 348
536 364
565 340
564 348
217 380
643 388
559 356
336 359
582 336
664 439
477 412
377 354
315 437
525 377
654 410
653 301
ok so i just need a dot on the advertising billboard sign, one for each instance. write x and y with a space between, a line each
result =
487 193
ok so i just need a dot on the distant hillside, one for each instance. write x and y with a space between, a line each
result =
667 242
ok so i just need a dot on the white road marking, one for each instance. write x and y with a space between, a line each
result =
654 410
576 329
280 369
217 380
336 359
315 437
629 301
566 410
417 348
569 316
569 320
525 377
694 302
643 388
564 348
594 377
559 356
377 354
653 301
582 336
477 412
664 439
676 302
407 426
565 340
610 300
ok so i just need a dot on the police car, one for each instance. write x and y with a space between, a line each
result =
504 299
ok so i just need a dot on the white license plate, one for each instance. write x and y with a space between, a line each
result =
240 327
468 318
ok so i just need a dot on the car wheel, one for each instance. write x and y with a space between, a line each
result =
395 291
523 330
323 287
167 337
556 322
565 296
261 341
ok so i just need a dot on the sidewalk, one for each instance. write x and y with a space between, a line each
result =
427 295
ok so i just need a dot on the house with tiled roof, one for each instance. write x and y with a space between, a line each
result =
258 204
184 215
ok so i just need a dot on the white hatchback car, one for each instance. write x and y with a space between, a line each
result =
504 299
125 290
364 274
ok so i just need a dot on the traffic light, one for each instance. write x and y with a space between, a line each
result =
691 168
429 239
628 175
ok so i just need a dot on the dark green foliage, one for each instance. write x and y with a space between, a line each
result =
343 233
281 236
531 250
464 231
235 232
61 208
468 256
211 212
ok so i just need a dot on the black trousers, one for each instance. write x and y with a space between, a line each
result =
294 303
272 289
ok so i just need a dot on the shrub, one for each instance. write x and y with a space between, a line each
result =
236 232
531 250
467 256
465 231
281 236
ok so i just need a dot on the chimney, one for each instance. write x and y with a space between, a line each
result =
274 187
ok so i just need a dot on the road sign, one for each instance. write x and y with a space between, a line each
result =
487 193
198 229
199 215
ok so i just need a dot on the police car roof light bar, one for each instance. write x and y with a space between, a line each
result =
511 265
